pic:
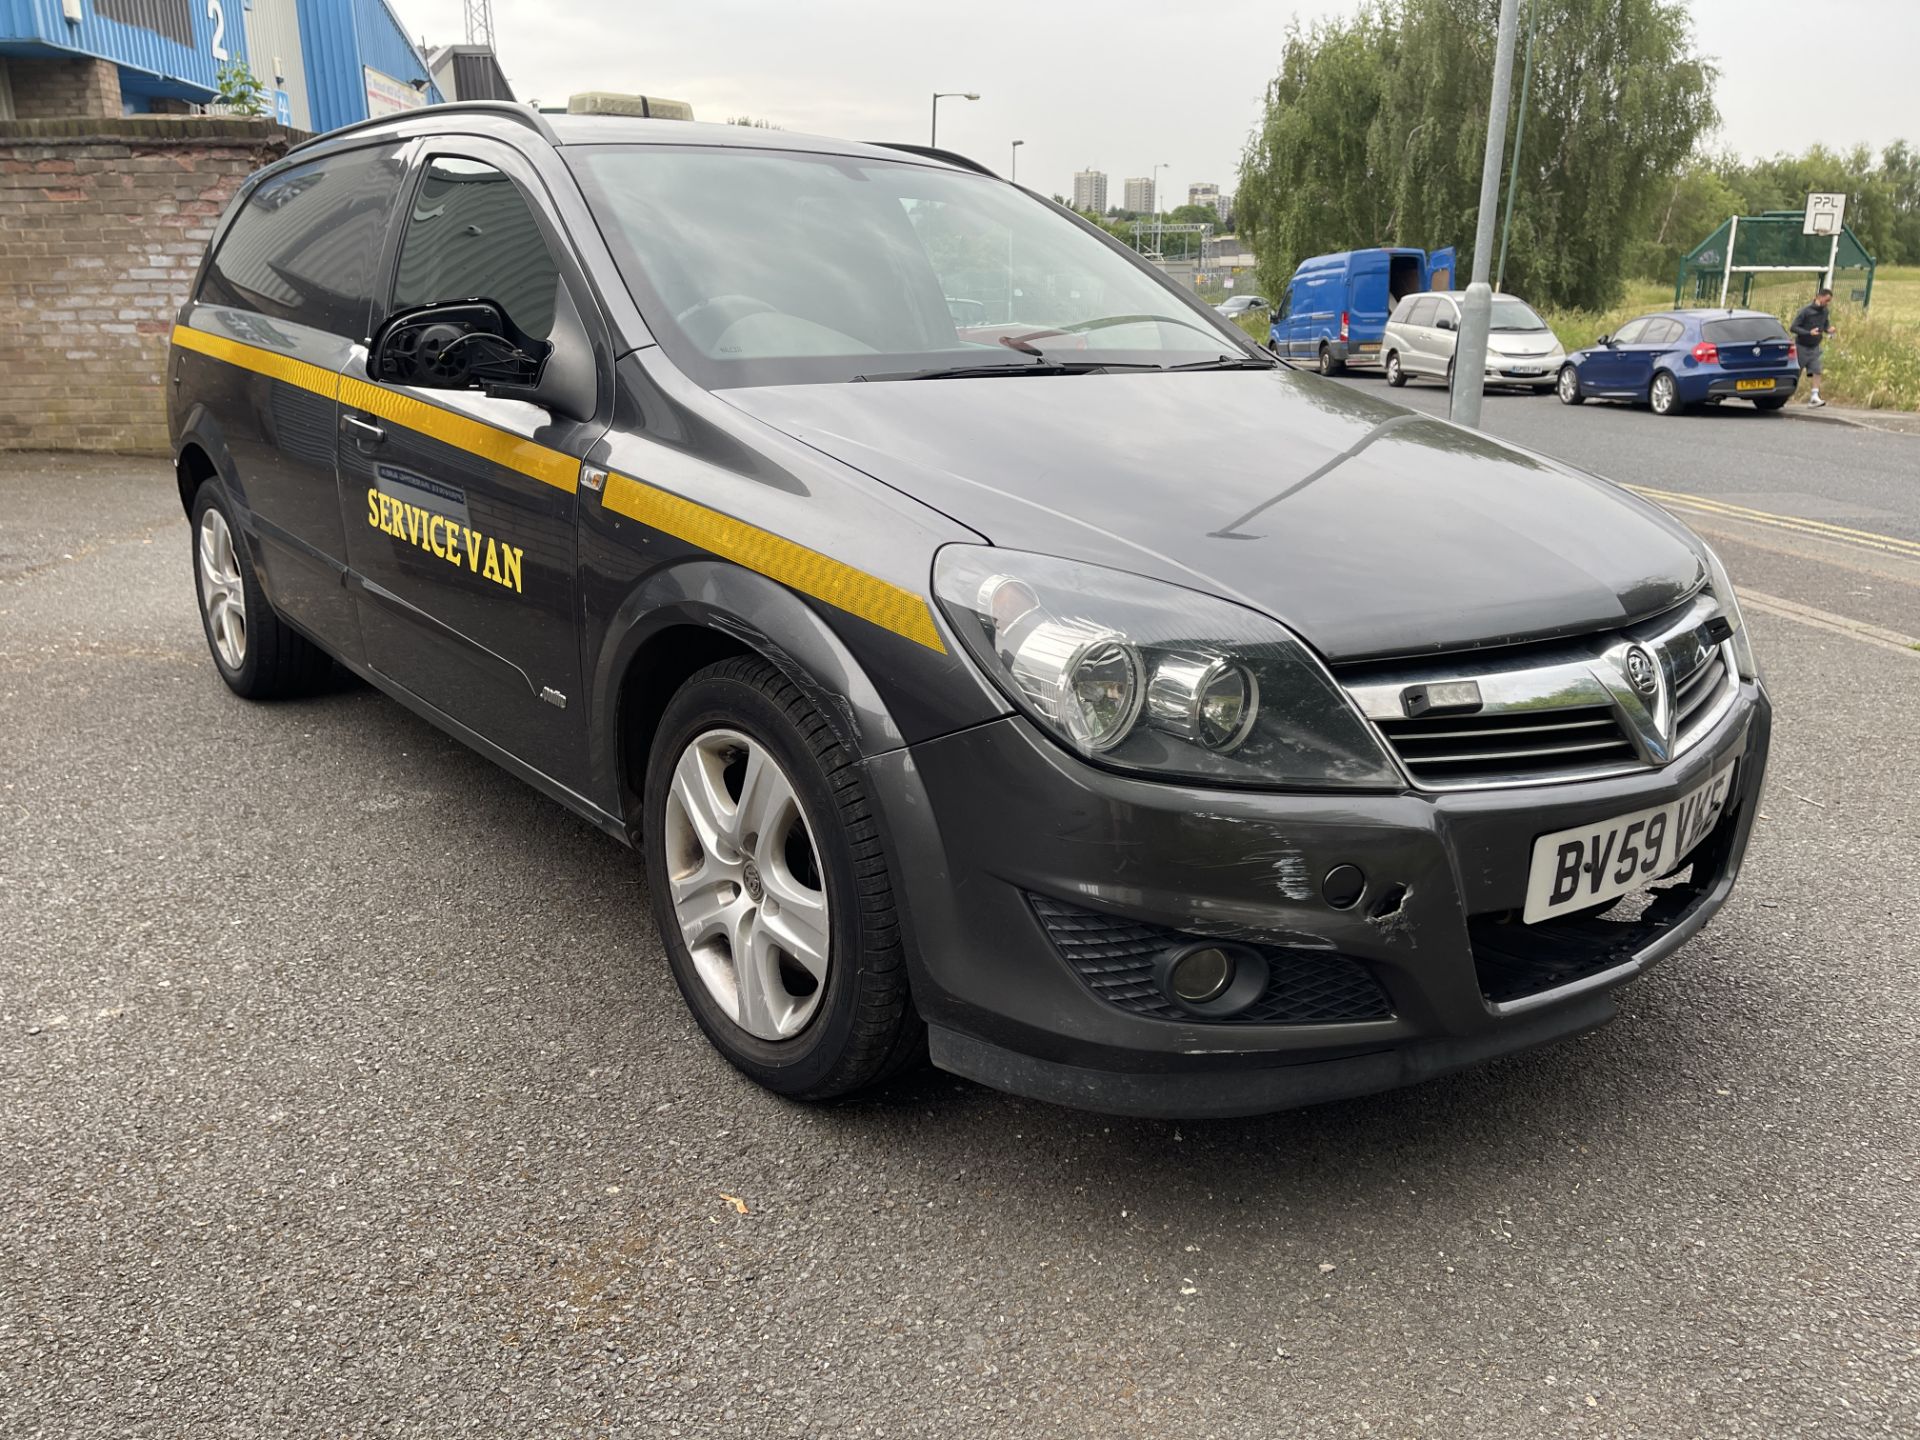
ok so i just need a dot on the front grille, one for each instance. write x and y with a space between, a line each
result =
1697 695
1114 957
1509 745
1515 960
1556 710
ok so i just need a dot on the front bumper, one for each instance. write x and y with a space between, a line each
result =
995 824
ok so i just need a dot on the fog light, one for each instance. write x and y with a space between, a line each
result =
1200 974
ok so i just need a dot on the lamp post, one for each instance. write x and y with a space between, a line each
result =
1153 194
1013 161
933 131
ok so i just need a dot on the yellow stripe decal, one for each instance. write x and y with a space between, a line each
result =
502 447
808 571
272 363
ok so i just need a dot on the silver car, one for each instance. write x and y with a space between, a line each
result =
1424 328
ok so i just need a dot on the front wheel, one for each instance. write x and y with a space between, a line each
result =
1568 386
771 888
1396 377
1664 395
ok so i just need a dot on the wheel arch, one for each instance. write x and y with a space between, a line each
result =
200 455
688 616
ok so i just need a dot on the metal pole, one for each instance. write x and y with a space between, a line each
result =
1476 309
1519 134
1833 257
1013 163
933 128
1726 275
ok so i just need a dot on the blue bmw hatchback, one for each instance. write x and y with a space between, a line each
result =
1679 358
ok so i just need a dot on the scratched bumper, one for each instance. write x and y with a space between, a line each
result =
983 822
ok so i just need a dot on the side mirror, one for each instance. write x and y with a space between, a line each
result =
474 345
1604 340
1446 323
470 345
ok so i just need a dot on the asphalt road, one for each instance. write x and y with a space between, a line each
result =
347 1093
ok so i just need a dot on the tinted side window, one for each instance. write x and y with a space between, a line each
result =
472 235
1662 332
304 246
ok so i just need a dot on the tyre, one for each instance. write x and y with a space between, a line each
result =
1664 394
256 652
771 887
1568 386
1396 377
1771 402
1329 365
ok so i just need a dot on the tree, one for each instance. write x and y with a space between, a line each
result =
1900 165
1311 179
241 91
1374 127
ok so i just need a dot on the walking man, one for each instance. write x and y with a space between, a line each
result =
1810 327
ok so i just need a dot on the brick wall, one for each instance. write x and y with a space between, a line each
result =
102 225
55 89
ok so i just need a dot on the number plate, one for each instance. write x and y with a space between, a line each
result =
1363 349
1589 864
1753 384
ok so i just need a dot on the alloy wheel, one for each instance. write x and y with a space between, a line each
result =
745 883
1569 383
222 596
1663 393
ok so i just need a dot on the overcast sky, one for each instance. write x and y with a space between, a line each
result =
1117 85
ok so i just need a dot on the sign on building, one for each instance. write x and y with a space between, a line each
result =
1825 214
388 96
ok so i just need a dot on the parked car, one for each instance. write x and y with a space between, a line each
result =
1237 305
1421 336
1335 310
949 713
1676 358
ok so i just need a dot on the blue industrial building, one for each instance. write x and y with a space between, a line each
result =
323 63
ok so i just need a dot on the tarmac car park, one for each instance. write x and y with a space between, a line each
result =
953 711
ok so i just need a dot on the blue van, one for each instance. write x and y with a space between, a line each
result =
1335 309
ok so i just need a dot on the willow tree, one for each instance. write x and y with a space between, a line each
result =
1374 127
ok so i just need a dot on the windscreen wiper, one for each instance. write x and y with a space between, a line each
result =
1231 362
1039 367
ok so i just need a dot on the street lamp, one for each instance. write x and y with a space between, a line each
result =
933 131
1013 164
1153 187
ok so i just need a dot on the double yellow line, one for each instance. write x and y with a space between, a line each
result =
1815 529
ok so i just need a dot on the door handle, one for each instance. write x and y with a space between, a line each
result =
366 427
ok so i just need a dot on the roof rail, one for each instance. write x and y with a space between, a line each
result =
507 109
929 152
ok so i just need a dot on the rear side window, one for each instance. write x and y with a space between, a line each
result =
1663 332
304 245
1743 330
1424 311
472 235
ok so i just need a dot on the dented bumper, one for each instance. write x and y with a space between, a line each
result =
1038 890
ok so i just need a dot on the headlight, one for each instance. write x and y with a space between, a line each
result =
1150 677
1743 658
